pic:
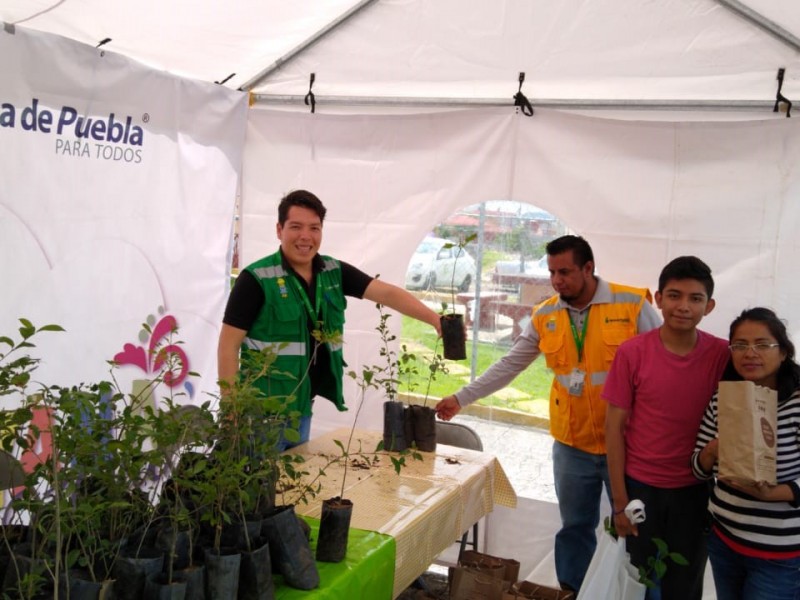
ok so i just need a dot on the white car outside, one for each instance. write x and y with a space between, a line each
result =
438 263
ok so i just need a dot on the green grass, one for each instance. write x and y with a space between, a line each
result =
534 382
490 257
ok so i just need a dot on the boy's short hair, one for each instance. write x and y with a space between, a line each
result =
687 267
302 198
581 250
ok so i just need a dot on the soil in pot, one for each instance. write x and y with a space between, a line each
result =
453 339
424 418
334 529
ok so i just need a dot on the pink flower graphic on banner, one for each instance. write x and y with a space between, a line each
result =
161 354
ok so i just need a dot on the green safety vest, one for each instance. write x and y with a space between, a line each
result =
283 325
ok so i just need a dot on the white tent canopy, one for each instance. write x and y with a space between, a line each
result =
720 51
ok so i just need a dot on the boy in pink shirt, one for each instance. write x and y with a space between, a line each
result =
657 390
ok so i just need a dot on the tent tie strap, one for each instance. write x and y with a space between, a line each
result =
310 99
521 101
779 97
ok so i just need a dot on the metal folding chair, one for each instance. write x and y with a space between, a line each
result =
461 436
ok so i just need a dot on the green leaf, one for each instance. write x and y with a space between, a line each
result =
338 443
51 327
678 558
661 545
398 464
660 568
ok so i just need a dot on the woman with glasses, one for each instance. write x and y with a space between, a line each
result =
754 544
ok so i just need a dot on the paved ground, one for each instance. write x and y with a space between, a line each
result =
524 452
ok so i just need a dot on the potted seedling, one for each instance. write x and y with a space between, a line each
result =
398 432
423 416
334 525
453 339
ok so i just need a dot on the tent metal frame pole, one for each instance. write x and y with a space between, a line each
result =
295 52
768 25
562 103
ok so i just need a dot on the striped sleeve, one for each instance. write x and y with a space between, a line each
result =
768 528
706 433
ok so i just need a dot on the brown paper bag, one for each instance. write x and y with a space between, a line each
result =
469 584
747 415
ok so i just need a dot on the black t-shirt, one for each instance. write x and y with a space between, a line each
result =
247 299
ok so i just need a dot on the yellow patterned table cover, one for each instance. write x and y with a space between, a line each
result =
425 508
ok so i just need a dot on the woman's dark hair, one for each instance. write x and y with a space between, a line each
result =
788 376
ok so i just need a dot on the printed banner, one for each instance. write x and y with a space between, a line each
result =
116 211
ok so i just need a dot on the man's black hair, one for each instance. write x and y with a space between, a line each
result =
301 198
687 267
581 250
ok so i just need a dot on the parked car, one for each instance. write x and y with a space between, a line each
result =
432 266
537 267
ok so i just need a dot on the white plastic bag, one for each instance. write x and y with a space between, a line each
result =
610 574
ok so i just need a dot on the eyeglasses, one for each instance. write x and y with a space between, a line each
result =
757 348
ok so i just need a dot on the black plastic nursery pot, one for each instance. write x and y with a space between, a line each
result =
222 573
132 570
424 420
394 427
334 529
255 573
290 548
453 340
158 587
195 578
175 545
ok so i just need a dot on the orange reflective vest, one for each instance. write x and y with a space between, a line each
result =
579 421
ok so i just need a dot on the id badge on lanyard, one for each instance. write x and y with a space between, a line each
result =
578 375
576 379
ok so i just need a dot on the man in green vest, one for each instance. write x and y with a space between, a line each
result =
280 300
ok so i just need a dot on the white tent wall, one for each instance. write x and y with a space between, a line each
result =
99 231
641 193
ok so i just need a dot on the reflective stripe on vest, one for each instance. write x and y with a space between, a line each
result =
597 378
616 298
270 272
279 348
